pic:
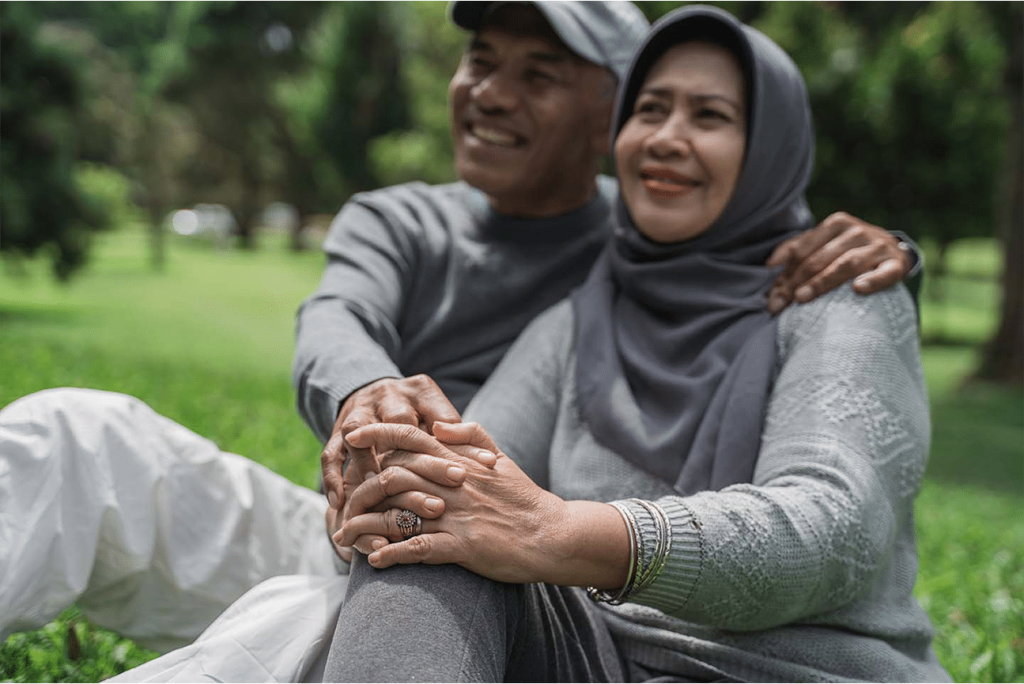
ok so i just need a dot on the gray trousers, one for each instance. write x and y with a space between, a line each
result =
442 623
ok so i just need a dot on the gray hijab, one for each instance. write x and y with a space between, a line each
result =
675 347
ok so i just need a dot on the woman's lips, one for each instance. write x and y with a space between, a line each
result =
666 184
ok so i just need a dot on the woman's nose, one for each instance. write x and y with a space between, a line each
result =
494 94
672 138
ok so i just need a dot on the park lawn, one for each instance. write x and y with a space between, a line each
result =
208 342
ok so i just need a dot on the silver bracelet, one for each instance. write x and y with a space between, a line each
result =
654 566
601 595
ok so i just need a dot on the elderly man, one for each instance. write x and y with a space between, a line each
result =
154 532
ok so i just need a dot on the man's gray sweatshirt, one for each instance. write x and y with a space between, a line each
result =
430 279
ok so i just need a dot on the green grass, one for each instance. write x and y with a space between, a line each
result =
68 650
208 343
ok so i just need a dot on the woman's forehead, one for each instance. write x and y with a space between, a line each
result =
710 68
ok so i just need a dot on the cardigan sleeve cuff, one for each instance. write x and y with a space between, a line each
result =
677 582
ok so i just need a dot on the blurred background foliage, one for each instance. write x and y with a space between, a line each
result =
128 110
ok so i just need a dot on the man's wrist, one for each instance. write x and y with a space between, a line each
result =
360 388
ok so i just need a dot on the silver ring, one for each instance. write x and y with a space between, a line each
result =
409 523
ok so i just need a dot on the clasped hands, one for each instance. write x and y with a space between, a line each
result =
478 509
474 502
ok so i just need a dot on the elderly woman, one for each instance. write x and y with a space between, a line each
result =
695 490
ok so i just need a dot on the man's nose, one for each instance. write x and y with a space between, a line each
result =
495 94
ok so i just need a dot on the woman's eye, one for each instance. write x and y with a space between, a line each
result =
707 113
535 75
648 107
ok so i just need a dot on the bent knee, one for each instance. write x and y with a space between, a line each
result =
60 400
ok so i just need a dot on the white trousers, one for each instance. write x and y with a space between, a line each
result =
148 527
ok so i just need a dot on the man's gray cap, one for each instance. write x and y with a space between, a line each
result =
605 33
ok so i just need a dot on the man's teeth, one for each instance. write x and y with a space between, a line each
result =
495 137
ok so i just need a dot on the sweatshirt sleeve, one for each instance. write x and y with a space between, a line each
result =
843 450
518 404
347 331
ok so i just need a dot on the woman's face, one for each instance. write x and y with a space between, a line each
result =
679 155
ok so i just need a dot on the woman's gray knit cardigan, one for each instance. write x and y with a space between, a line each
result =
805 574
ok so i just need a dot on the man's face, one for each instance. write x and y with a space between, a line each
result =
529 122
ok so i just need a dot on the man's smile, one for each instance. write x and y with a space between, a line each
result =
495 136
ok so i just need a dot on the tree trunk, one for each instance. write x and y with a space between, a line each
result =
1003 359
246 220
935 283
154 181
297 236
157 257
248 210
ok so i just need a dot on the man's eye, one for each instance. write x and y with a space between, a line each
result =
479 64
538 76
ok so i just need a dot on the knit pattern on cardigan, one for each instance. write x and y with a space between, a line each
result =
807 572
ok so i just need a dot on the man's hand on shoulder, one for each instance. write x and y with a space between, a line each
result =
839 249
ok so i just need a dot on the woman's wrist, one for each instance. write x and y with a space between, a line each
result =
589 547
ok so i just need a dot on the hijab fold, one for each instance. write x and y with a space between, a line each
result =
675 347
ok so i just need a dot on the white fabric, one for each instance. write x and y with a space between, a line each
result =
149 528
279 632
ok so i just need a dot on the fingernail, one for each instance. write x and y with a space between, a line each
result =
804 294
373 558
432 504
332 499
861 282
377 544
455 473
775 303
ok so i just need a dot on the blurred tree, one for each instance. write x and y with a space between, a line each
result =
235 103
232 53
42 206
131 29
1003 358
431 47
908 113
746 11
352 91
125 51
366 96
